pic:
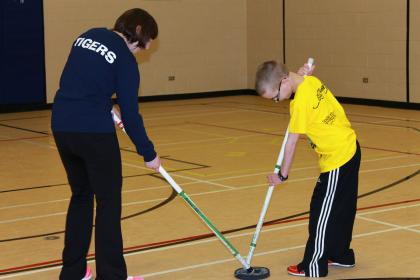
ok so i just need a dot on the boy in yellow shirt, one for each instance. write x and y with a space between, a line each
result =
314 111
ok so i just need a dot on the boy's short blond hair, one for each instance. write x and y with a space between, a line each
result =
269 75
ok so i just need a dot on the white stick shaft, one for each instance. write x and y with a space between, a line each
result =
281 154
253 244
117 120
168 178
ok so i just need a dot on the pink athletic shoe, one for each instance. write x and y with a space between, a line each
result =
88 274
134 278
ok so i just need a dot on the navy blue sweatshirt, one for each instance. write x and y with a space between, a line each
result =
99 65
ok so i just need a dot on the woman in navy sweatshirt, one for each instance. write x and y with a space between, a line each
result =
101 63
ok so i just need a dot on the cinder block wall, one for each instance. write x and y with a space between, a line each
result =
264 34
351 40
201 42
214 45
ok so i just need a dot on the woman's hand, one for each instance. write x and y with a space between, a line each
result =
154 164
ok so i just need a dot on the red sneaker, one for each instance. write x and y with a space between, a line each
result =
88 274
293 270
333 263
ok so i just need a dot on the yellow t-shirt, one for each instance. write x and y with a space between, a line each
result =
316 113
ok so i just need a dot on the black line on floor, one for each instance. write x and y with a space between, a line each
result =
287 108
237 129
406 178
175 170
392 151
302 139
160 204
253 109
24 138
206 236
391 185
27 118
155 174
24 129
184 161
388 125
31 236
128 176
166 201
171 159
348 114
32 188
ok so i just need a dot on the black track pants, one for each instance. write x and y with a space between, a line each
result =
332 214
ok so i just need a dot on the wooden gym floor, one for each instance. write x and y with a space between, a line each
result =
219 150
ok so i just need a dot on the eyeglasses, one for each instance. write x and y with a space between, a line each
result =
277 97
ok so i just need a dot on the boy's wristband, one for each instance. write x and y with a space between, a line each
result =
282 178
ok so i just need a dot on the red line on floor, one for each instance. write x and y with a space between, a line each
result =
151 245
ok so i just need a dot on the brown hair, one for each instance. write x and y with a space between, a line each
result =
269 74
127 24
